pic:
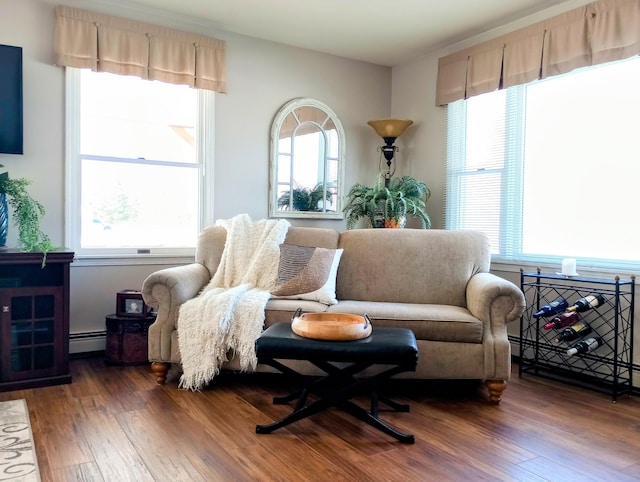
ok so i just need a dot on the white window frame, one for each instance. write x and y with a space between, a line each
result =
509 251
205 159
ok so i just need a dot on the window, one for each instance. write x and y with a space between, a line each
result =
551 169
137 155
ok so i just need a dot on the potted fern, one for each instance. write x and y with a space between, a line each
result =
388 206
27 214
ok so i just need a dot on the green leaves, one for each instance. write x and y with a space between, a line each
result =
27 214
404 196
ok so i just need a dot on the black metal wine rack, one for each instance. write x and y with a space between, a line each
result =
609 367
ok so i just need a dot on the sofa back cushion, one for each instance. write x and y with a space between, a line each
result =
316 237
210 246
211 242
410 265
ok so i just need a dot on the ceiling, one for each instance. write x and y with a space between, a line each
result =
384 32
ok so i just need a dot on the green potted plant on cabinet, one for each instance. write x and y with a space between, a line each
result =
27 215
304 199
388 206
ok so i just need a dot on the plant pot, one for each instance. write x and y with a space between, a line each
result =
377 219
4 220
395 223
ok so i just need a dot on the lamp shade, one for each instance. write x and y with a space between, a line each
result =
390 127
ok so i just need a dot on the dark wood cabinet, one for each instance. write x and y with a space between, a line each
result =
34 319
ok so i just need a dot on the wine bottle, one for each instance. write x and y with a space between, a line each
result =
562 320
553 308
585 346
573 332
586 303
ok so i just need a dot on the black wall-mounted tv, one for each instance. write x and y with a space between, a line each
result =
11 138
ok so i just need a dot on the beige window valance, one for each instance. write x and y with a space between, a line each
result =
104 43
599 32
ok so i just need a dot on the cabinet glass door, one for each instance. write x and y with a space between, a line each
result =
29 332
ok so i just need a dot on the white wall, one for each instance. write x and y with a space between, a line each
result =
29 25
262 76
414 88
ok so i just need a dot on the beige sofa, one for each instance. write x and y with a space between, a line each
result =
435 282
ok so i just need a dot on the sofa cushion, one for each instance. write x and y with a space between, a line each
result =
410 265
280 310
428 322
319 237
307 273
211 242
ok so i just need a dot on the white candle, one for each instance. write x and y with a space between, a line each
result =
569 266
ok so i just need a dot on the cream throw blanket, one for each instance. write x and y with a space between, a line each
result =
229 312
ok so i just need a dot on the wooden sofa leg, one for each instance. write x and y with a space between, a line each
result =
160 369
496 387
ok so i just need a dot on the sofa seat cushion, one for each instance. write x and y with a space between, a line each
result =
282 310
428 322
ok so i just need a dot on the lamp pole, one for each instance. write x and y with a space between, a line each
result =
388 150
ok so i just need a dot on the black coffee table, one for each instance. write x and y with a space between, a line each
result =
395 348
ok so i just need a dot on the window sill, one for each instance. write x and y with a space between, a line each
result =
130 260
508 266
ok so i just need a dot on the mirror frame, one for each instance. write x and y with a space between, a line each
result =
273 162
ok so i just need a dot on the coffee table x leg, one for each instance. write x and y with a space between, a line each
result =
336 389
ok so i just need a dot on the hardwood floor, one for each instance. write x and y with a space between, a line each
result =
115 424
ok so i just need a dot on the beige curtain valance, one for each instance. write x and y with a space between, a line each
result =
103 43
599 32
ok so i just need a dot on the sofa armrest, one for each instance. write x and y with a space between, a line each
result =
493 299
165 290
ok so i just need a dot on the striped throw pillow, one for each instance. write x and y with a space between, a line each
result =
307 273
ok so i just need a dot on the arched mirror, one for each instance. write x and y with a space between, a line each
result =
307 162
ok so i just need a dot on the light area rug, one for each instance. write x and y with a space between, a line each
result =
18 460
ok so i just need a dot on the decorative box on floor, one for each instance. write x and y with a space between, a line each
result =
127 339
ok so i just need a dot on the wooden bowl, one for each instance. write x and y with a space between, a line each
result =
331 326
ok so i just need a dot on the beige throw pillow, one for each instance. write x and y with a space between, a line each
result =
307 273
